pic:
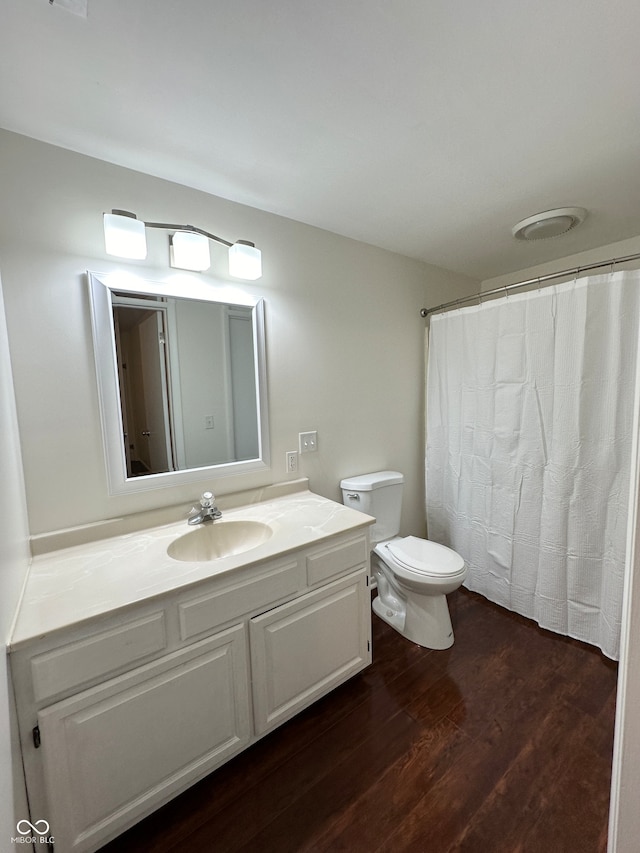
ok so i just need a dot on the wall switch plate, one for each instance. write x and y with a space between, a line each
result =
308 441
208 422
292 461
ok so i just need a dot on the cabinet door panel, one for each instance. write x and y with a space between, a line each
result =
301 650
115 752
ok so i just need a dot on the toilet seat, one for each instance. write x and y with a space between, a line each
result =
420 557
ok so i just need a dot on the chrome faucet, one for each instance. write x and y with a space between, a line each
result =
208 510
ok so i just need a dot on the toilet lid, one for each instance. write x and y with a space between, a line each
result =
420 555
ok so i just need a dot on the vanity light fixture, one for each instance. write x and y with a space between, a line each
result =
125 237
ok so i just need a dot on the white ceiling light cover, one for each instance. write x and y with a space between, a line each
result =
189 251
124 235
245 261
549 223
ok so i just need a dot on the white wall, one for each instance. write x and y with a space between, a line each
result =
344 335
14 561
624 826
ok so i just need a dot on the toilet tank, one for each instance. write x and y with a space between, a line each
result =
380 495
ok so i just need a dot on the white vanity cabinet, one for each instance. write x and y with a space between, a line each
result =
120 713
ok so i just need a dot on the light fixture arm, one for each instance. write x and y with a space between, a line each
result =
192 228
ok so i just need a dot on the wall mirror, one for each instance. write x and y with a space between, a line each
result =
181 380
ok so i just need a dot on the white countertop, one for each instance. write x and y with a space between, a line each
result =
70 586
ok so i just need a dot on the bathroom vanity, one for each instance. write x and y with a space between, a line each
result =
137 673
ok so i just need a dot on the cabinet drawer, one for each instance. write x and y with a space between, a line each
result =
255 591
336 560
94 657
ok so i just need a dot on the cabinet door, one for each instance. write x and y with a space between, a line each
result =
114 753
303 649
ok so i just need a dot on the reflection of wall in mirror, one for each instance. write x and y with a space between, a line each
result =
243 384
205 390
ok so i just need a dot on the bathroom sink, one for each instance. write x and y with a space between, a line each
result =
219 539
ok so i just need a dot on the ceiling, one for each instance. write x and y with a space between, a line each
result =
428 127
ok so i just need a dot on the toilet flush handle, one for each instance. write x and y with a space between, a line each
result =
353 496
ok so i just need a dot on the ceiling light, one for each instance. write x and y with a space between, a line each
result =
550 223
124 236
189 251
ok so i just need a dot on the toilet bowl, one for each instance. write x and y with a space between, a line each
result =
413 575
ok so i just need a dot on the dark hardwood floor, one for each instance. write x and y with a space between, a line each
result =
500 744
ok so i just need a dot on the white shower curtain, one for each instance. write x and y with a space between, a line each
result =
529 418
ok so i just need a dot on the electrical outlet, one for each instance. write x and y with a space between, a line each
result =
292 461
308 441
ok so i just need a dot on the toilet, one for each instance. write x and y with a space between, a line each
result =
413 575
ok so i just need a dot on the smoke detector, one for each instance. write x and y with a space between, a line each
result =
550 223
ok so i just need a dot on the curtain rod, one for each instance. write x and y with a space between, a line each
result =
425 312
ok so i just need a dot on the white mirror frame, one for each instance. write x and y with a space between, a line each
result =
100 287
